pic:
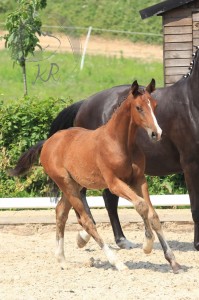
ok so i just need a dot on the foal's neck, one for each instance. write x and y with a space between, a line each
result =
121 127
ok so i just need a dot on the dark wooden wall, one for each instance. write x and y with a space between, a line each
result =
181 34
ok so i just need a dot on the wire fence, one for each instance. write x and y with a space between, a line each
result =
82 40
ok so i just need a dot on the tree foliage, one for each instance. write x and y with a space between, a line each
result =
24 26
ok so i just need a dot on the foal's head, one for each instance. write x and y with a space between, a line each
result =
142 109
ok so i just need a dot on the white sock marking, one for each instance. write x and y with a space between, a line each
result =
84 235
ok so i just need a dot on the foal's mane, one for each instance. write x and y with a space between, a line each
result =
140 91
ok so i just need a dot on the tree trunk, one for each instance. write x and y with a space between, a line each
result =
24 78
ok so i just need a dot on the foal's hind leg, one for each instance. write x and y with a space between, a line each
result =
83 237
71 190
142 189
62 210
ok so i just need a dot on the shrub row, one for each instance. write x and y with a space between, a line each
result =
23 124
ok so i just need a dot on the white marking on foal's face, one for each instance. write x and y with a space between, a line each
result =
159 130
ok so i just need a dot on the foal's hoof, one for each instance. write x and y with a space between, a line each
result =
120 266
82 238
123 243
177 268
148 245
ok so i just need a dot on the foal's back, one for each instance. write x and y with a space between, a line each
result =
77 152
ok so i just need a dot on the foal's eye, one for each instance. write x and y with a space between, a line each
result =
139 108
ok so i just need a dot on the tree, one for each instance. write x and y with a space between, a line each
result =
24 27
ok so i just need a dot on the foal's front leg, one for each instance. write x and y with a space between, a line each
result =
142 190
121 189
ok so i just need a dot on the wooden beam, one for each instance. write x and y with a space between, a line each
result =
173 38
195 26
178 54
195 42
176 71
178 30
195 17
172 78
196 34
177 62
178 46
177 21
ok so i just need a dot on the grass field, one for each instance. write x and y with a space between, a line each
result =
67 81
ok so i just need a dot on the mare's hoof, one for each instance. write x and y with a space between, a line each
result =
196 245
82 238
123 243
196 236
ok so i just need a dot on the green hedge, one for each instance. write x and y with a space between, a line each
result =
23 124
27 121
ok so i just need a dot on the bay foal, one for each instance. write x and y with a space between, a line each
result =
104 158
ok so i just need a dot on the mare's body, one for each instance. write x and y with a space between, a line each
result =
177 114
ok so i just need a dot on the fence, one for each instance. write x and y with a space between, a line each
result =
28 203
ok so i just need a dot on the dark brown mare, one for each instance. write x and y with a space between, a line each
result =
177 152
109 159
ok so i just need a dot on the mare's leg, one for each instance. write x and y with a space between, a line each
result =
111 204
191 172
62 210
71 191
142 190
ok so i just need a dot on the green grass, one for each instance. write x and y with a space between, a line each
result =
112 14
99 73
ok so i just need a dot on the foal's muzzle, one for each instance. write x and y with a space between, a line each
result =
156 136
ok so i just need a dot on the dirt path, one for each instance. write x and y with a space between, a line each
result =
102 46
28 269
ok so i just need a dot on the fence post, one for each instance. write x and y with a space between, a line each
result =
85 47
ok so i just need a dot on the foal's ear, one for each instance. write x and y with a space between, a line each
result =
134 88
151 87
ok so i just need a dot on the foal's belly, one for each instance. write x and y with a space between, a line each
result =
90 179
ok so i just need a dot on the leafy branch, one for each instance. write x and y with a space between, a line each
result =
24 27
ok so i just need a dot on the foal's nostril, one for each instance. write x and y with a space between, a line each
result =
154 135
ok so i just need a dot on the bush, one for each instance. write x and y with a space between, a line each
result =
23 124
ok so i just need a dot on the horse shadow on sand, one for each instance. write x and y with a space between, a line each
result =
155 267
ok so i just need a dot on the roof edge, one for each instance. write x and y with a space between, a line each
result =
162 7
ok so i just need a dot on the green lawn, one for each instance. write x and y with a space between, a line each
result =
68 81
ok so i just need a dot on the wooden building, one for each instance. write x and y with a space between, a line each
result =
180 21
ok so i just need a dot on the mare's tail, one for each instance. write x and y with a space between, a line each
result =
27 160
65 118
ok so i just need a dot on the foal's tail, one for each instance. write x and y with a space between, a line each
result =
27 160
